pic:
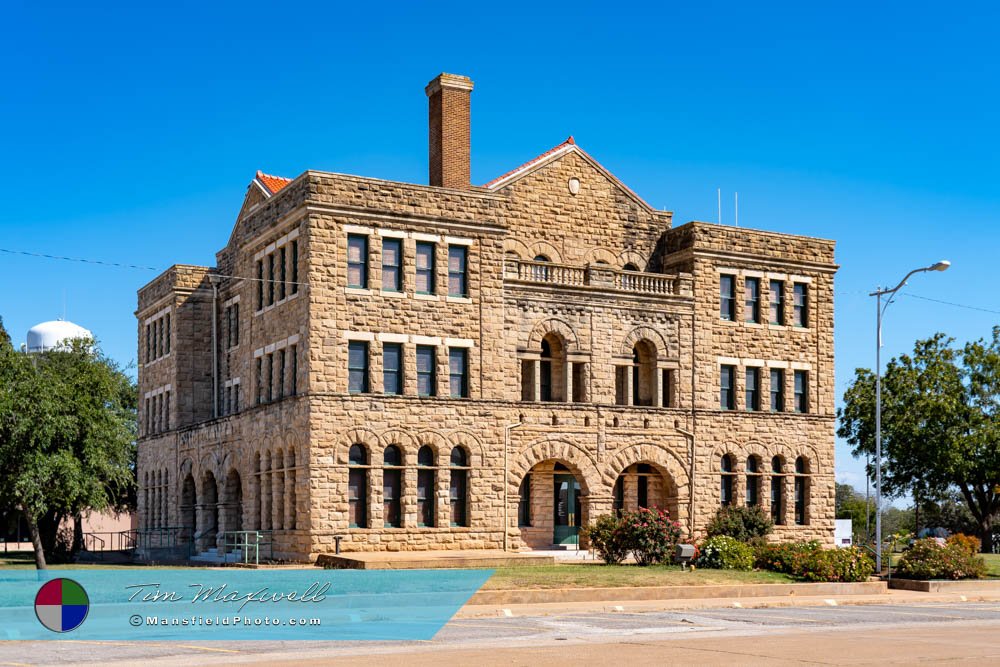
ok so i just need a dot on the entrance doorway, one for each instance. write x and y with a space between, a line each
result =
567 515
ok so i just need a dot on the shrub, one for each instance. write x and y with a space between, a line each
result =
927 559
970 544
648 533
780 557
652 535
722 552
815 564
610 538
742 523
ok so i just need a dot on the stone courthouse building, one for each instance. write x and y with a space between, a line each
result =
459 366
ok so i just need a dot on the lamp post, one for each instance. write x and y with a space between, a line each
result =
880 310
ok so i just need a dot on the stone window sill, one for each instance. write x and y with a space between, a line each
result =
357 291
427 297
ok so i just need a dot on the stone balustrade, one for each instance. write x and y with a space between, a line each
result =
598 275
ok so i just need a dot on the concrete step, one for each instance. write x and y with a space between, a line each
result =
430 560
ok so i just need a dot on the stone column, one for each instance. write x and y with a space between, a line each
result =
278 498
265 499
629 379
536 375
568 384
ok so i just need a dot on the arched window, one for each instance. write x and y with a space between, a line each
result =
644 470
357 487
542 258
392 486
278 490
777 492
541 273
552 369
426 485
728 477
630 267
524 502
753 481
801 491
290 484
459 487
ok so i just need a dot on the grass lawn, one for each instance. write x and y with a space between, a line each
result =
25 560
601 576
992 565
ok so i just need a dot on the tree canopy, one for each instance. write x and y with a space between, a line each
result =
67 434
940 427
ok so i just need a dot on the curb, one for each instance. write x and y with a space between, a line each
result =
560 595
641 606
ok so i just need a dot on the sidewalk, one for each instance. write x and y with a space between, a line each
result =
892 596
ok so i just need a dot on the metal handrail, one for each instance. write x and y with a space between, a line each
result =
246 541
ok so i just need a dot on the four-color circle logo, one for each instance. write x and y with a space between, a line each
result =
61 605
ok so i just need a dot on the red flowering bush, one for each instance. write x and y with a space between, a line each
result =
927 559
648 533
654 536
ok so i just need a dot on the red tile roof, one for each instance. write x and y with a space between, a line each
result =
529 163
272 183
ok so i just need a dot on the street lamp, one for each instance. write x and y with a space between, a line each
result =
938 266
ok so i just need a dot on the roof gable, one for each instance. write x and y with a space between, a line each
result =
556 153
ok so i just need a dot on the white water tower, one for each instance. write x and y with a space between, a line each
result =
54 335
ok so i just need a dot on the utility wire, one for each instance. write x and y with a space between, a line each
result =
950 303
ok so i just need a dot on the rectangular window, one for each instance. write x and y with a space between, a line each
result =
236 398
227 403
260 284
800 500
457 280
236 324
727 297
295 267
357 261
800 305
392 265
280 380
579 382
527 380
260 380
751 300
270 279
667 388
752 389
425 497
282 273
801 391
777 305
426 370
777 492
425 268
149 417
166 411
294 375
643 492
621 385
149 343
458 372
357 497
357 367
727 387
753 490
524 502
166 334
269 361
777 390
392 368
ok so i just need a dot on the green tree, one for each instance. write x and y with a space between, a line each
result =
939 424
67 436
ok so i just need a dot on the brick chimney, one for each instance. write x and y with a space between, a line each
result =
448 103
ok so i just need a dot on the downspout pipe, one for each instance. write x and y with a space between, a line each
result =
215 345
690 436
506 483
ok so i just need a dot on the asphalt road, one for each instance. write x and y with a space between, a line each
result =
883 634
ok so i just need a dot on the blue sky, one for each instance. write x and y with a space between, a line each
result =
129 134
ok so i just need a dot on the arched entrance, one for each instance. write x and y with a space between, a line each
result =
188 509
209 530
552 505
233 502
645 485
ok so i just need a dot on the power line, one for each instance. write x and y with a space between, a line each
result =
78 259
950 303
131 266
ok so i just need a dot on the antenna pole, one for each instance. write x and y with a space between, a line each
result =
737 200
719 193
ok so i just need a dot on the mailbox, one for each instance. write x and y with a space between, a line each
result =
684 553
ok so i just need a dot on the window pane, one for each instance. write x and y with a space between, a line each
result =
751 305
457 270
357 365
425 268
777 302
392 259
727 299
777 391
426 361
458 372
752 389
357 261
726 387
392 368
800 305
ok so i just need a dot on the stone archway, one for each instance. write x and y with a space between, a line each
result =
232 503
208 528
188 509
